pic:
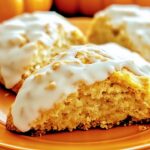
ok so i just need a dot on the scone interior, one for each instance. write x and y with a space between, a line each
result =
127 25
28 42
87 86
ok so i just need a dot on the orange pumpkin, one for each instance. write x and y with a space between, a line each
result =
143 2
88 7
10 8
123 1
33 5
72 7
69 7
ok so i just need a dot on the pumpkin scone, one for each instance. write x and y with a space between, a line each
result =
28 41
86 86
127 25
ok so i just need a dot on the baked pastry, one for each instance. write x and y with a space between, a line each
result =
26 43
87 86
127 25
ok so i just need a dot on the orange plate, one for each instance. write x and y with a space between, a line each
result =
116 138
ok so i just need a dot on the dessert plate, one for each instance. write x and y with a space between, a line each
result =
130 137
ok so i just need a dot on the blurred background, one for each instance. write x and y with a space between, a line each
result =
68 8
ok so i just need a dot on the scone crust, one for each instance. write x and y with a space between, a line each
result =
124 98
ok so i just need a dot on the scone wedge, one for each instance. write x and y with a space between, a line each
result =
28 42
127 25
87 86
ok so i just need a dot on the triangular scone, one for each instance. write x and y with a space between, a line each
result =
27 41
128 25
85 87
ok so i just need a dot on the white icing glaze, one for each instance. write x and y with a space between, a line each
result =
19 37
117 13
34 95
136 22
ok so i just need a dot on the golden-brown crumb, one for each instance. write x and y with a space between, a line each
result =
45 53
107 33
103 31
102 104
41 60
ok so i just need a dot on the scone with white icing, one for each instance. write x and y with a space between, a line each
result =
127 25
87 86
27 41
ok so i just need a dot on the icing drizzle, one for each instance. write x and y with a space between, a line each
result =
56 81
133 21
19 39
